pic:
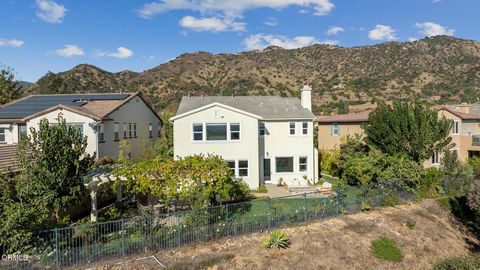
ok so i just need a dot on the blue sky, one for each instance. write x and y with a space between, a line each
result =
37 36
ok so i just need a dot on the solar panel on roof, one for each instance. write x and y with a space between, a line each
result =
35 104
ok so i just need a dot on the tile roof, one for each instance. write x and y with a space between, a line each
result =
8 158
267 107
463 116
344 118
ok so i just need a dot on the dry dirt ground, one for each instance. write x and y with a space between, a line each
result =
339 243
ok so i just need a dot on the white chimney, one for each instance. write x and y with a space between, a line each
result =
306 97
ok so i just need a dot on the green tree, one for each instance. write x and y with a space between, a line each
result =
10 89
407 128
53 161
164 146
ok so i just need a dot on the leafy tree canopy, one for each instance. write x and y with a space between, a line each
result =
9 87
407 128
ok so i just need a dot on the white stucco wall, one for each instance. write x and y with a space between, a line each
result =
279 143
11 133
70 118
244 149
134 111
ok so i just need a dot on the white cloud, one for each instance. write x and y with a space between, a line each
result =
411 39
333 30
50 11
11 42
121 53
211 24
70 50
261 41
433 29
271 21
221 14
382 32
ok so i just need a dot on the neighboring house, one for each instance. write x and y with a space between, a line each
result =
265 139
104 119
465 130
332 129
8 159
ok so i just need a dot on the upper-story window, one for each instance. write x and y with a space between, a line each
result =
234 131
135 130
292 128
455 127
261 129
2 135
150 130
159 130
305 128
124 130
198 132
116 131
101 133
335 129
216 132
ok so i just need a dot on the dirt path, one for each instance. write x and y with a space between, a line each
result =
339 243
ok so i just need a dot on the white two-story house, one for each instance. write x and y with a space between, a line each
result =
104 119
264 139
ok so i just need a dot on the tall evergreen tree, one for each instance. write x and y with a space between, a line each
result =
408 128
10 89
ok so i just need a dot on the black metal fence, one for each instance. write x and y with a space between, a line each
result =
93 243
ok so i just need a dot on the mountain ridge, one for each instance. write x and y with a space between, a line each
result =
341 77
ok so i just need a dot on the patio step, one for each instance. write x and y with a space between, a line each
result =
302 189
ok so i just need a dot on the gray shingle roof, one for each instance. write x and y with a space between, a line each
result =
267 107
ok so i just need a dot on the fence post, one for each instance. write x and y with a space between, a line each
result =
57 252
305 206
123 237
270 213
179 240
337 202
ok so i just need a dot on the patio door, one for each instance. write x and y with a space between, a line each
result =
267 172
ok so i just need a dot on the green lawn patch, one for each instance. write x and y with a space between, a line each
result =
386 249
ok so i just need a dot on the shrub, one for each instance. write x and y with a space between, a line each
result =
401 170
390 199
262 189
410 224
428 186
276 239
473 197
329 161
365 206
474 163
471 262
386 249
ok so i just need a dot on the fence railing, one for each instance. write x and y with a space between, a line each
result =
91 243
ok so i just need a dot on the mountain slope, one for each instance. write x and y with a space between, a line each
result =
438 66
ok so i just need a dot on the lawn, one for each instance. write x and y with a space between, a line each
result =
352 192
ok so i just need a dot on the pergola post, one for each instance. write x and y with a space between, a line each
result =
93 197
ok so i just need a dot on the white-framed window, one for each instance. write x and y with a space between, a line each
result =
130 129
305 128
159 129
101 133
291 126
197 132
234 131
124 130
335 129
455 127
216 132
261 129
243 168
302 164
231 164
284 164
116 131
2 134
436 158
134 130
150 130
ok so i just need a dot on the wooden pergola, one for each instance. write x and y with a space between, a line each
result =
94 180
